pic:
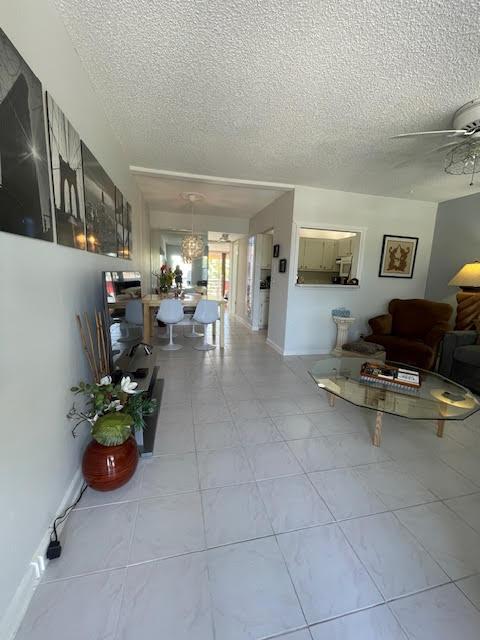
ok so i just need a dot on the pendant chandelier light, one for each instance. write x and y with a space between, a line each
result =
192 244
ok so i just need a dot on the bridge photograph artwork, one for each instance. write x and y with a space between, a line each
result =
67 177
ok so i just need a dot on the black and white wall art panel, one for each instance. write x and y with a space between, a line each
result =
100 218
119 205
25 207
127 231
67 178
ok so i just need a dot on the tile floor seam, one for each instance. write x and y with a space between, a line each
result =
402 627
210 598
444 502
420 542
361 562
477 606
116 629
321 497
307 473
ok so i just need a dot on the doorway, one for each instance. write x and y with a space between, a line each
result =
219 273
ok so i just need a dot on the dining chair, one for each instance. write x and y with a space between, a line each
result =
132 327
170 312
206 313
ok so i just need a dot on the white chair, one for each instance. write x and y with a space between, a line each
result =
132 327
170 313
205 313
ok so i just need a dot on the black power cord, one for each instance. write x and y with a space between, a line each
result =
54 548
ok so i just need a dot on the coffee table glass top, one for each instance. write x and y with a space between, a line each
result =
437 399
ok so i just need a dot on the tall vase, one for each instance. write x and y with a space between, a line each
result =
107 468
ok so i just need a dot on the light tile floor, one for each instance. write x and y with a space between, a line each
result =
265 513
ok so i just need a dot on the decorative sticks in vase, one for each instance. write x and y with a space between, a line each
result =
96 350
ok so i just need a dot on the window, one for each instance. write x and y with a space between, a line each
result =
328 256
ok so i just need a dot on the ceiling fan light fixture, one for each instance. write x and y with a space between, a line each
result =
464 159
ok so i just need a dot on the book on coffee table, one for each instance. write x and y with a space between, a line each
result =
390 375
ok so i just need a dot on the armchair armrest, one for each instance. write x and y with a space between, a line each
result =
436 334
452 340
381 325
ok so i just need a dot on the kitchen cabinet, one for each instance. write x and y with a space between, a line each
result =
266 250
345 247
316 254
329 255
313 254
263 308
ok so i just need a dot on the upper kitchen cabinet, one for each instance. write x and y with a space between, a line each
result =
317 254
328 256
345 247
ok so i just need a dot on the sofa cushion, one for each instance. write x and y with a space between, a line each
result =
468 355
405 350
415 318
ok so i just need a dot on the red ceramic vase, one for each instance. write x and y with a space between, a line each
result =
108 468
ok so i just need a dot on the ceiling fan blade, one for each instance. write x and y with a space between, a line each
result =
445 132
443 147
423 156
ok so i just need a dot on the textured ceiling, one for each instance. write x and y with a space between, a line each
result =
164 194
296 91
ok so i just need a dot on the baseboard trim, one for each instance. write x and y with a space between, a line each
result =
307 352
275 346
243 321
15 612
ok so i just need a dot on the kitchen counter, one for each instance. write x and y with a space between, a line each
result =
328 286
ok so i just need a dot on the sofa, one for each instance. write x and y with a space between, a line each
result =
411 331
460 358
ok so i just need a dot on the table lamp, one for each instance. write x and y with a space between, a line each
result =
468 299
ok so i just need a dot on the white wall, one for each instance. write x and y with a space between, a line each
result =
172 220
43 286
309 328
241 282
278 216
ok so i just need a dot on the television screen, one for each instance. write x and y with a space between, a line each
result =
121 286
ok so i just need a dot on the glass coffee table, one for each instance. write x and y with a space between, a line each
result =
437 399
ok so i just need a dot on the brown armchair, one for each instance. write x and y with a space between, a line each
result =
411 331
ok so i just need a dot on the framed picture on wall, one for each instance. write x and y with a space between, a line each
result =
67 177
398 256
24 181
99 193
282 265
276 250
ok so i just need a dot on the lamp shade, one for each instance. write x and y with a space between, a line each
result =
468 276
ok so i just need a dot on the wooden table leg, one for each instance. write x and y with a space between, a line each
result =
147 330
222 326
377 436
440 427
331 399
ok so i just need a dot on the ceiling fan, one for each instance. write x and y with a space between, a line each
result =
463 147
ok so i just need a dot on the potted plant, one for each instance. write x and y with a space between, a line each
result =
114 412
164 278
